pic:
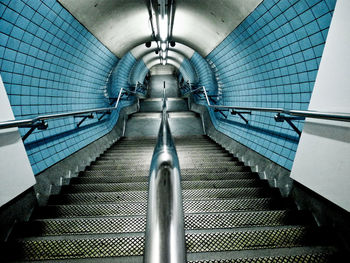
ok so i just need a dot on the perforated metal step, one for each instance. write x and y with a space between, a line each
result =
141 196
252 239
139 208
304 258
115 177
201 168
88 226
131 245
142 186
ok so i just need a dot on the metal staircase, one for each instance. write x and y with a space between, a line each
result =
230 215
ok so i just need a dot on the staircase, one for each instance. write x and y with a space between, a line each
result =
230 214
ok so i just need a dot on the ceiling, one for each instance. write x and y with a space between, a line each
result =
122 25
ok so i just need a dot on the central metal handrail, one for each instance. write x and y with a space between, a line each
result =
165 237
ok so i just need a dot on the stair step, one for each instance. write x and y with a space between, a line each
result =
183 154
144 164
133 245
277 237
141 196
139 208
107 160
302 254
139 186
86 226
110 178
195 173
78 248
232 166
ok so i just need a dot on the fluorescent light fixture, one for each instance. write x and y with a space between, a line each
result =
154 23
163 46
164 62
163 27
164 55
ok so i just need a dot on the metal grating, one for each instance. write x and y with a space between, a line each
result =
133 245
52 227
204 194
79 248
218 176
121 166
142 186
91 198
126 172
131 208
311 258
227 241
215 170
85 226
135 196
227 205
220 184
108 179
119 187
237 219
70 211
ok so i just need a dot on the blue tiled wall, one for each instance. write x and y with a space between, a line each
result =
271 60
138 72
50 64
120 79
187 71
204 72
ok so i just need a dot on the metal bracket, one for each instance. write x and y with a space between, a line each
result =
211 98
90 116
282 118
40 126
221 112
104 114
239 113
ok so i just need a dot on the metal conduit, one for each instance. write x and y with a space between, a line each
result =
165 236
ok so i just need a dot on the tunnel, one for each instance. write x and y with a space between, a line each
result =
174 131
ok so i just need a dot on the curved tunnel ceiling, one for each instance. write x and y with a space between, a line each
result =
123 24
141 50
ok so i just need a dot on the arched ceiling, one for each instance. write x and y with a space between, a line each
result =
141 50
121 25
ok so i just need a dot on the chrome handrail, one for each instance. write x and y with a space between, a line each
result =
165 237
28 122
335 116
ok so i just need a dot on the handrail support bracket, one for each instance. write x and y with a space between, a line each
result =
239 113
42 125
281 118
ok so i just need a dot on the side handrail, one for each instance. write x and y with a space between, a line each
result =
281 116
336 116
33 121
165 237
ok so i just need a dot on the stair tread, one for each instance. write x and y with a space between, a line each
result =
85 226
84 246
124 186
139 208
191 194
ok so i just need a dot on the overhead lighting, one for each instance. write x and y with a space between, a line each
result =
163 46
164 62
164 55
163 27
